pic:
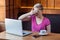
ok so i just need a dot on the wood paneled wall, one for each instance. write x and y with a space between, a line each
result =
2 15
13 7
50 6
57 4
2 10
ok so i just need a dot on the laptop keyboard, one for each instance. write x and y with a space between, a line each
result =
24 33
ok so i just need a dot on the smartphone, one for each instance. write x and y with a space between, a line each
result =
36 36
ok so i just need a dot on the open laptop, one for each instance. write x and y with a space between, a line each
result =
15 27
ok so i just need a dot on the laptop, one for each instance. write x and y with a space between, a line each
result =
14 26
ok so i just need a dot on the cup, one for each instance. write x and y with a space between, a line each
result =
43 31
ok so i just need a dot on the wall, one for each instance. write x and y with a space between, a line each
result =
2 10
50 6
13 7
2 15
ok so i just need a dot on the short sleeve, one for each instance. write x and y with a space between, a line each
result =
47 22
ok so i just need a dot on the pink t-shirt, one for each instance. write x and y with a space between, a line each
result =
37 27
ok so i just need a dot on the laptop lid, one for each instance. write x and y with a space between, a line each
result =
14 26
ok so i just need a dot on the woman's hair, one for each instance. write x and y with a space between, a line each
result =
38 5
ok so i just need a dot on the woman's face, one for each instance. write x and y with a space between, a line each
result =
38 11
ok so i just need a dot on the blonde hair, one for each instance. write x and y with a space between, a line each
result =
38 5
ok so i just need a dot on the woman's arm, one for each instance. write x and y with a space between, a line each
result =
49 28
27 16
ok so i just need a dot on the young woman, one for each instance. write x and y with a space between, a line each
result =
38 21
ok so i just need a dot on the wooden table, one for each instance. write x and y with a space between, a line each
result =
51 36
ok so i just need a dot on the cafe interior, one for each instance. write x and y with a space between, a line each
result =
14 8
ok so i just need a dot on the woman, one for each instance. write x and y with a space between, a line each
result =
39 22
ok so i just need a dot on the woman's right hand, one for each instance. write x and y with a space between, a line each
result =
32 12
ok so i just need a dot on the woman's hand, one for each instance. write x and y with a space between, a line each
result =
33 11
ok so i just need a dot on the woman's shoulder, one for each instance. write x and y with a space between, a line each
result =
46 19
